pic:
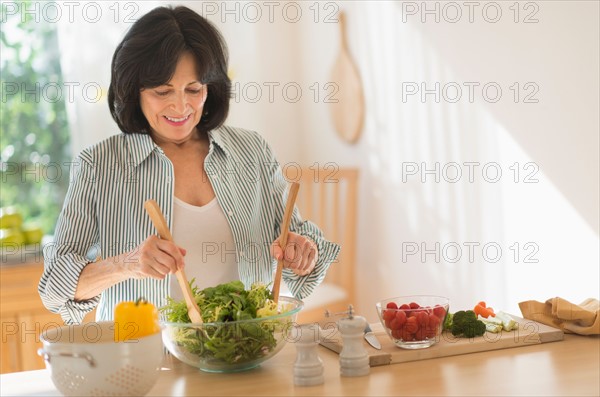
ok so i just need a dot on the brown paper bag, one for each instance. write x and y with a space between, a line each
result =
582 319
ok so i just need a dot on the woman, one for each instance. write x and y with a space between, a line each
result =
220 188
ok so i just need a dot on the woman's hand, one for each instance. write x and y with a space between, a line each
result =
154 258
301 254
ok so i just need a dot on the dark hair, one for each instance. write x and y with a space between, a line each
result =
147 58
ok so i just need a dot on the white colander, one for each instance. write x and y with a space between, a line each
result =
85 361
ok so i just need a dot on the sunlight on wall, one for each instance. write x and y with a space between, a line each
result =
494 237
568 247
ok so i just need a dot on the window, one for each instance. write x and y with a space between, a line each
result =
34 139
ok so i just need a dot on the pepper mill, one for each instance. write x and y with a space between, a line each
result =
308 368
354 360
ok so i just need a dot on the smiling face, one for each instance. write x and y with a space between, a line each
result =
174 109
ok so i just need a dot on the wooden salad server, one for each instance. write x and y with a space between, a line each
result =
161 226
285 226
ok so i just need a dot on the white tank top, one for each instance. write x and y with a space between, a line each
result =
207 238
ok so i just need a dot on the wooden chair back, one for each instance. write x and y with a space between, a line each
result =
328 197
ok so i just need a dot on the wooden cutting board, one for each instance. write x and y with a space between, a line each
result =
529 333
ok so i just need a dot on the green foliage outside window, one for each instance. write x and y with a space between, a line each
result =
34 138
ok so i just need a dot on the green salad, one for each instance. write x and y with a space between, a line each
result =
223 338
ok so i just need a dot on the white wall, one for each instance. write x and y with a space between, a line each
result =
558 215
262 62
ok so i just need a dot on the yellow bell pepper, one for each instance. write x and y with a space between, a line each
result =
135 320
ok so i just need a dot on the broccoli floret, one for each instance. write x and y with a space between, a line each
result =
475 329
465 323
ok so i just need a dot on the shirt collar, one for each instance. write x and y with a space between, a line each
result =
219 139
140 147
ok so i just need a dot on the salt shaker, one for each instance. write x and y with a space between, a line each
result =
354 360
308 368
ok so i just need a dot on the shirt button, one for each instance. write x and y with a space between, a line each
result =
230 213
242 253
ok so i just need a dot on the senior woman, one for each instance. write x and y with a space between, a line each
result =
220 188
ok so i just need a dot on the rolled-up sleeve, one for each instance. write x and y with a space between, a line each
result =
75 236
301 286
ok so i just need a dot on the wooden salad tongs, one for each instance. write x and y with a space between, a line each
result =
162 228
285 226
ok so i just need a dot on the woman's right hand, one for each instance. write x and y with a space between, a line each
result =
154 258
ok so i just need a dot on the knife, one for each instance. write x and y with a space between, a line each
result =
371 338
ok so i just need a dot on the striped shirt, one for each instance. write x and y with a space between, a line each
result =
103 216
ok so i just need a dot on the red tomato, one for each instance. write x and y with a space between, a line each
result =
392 305
420 310
411 325
401 317
439 311
397 334
394 324
406 336
388 323
430 333
434 321
414 305
388 314
404 307
422 319
420 334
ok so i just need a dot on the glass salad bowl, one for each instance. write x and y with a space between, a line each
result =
232 346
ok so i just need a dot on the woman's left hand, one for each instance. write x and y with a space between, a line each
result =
301 254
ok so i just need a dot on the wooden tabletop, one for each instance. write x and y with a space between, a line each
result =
570 367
